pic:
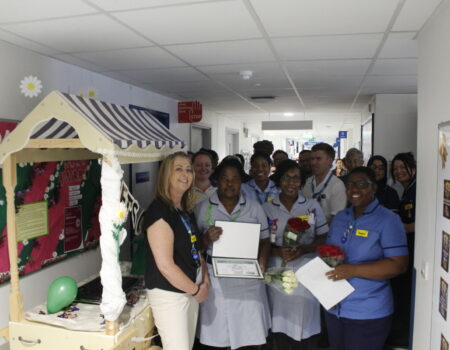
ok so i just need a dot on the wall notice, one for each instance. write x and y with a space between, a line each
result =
32 221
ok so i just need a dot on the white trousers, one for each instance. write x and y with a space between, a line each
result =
175 316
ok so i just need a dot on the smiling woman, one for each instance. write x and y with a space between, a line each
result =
374 242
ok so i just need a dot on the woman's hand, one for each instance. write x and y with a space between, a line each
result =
212 235
342 272
203 293
289 254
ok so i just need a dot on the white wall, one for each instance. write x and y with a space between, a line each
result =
434 108
395 127
16 63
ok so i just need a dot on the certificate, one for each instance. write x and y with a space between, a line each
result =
235 254
239 268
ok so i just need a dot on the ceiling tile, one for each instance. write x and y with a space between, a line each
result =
208 21
328 47
30 10
164 75
399 45
30 45
116 5
336 82
231 52
202 86
335 67
140 58
395 66
79 62
91 33
414 14
390 83
260 70
324 17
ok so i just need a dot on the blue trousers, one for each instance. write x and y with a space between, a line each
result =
349 334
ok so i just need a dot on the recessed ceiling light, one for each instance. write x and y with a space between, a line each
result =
258 84
288 114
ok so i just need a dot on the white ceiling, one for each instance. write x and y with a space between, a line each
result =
313 56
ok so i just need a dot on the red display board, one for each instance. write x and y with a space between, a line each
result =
189 112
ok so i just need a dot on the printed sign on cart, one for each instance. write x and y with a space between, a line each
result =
73 229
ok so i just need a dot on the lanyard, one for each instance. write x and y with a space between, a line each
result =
318 194
208 216
193 237
351 226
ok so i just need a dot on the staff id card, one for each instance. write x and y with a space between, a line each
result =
235 254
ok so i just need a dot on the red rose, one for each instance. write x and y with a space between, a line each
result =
298 225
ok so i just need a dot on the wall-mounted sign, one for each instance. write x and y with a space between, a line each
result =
189 112
342 134
142 176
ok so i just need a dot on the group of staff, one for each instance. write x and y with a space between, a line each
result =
239 313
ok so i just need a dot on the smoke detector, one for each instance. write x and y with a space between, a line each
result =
246 74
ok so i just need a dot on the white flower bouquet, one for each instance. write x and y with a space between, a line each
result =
283 279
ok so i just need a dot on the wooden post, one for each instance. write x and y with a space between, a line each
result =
9 182
111 327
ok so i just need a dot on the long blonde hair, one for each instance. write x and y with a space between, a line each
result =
163 182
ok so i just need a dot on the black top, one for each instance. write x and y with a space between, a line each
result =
181 246
387 196
407 210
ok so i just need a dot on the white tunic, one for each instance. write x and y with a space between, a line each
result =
236 313
330 194
200 195
298 314
251 190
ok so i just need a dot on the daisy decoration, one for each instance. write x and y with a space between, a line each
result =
30 86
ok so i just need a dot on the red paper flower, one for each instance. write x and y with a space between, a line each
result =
331 254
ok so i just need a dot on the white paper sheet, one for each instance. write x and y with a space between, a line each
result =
328 292
238 240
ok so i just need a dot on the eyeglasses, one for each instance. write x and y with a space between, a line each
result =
375 167
359 185
287 178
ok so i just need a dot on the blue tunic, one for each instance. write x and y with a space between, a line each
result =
375 235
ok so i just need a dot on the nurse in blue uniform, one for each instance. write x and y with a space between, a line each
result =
260 188
374 242
236 313
296 316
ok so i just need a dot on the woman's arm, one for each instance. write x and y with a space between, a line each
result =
382 269
161 239
264 252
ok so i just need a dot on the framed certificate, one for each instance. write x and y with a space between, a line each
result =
235 254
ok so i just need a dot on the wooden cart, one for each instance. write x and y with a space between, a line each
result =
68 127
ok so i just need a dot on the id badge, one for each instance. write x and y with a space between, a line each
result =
199 278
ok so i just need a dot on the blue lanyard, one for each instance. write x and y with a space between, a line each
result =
193 238
317 194
351 226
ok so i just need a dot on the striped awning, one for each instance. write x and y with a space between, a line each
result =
104 128
123 125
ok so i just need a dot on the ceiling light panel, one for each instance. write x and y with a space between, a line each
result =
328 47
140 58
324 17
212 21
30 10
224 52
91 33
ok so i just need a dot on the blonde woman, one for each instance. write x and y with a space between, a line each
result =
176 277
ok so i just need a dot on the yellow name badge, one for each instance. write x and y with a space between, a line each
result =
193 238
304 217
408 206
362 233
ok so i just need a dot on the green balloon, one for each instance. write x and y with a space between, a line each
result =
61 293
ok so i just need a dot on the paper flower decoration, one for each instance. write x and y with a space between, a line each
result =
89 92
121 216
30 86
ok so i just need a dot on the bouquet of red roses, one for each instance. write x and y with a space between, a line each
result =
295 228
331 254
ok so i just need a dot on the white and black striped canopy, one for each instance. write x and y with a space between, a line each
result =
103 128
122 125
